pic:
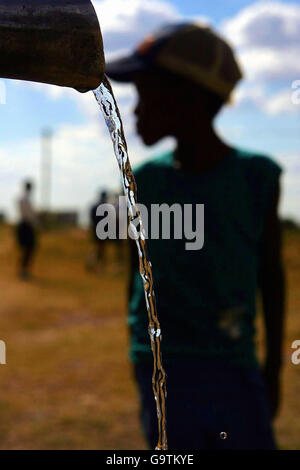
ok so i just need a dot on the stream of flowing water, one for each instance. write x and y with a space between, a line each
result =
106 100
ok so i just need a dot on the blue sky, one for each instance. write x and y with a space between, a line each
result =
266 38
216 9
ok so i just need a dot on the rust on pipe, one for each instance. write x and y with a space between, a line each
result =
51 41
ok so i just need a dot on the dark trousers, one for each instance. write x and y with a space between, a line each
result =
204 401
26 258
26 239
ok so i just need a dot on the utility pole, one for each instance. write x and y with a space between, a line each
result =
46 169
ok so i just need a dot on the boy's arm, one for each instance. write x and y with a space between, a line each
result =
273 297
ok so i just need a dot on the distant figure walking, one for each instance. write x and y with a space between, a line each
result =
121 232
97 258
26 231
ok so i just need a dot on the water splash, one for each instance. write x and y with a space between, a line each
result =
106 100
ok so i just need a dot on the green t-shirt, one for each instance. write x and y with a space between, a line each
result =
206 299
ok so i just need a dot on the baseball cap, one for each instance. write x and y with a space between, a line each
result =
189 50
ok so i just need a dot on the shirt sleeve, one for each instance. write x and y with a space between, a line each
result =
272 181
267 176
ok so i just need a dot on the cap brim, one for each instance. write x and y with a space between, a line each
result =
124 69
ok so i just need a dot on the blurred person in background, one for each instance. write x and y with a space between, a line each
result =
184 75
96 260
121 230
26 231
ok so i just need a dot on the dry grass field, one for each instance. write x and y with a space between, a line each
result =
67 383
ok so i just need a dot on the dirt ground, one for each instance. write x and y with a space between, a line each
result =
67 383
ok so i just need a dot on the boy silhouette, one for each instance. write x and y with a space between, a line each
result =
218 397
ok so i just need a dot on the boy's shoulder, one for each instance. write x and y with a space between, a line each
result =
257 163
261 174
254 165
151 166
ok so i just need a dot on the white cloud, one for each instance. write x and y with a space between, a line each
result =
125 22
265 24
267 37
280 103
249 93
272 104
270 63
